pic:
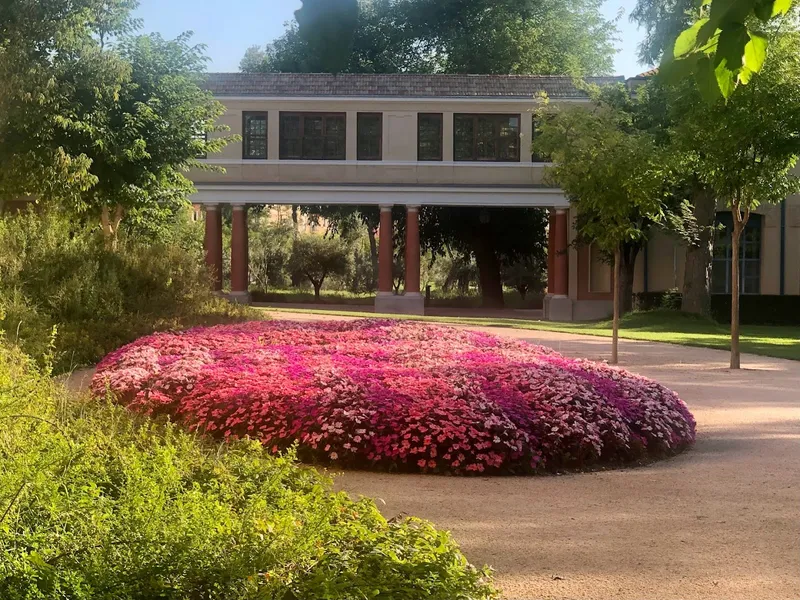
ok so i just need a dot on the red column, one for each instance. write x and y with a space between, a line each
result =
385 252
240 278
213 245
412 250
561 256
551 253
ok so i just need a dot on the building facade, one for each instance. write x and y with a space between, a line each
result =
425 140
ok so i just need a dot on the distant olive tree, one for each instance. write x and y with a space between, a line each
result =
316 258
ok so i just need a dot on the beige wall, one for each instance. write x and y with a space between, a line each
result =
666 256
399 164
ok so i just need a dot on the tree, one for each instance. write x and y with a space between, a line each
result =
328 27
53 78
613 175
526 275
727 44
317 257
102 122
749 147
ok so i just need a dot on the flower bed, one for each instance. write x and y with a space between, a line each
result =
399 396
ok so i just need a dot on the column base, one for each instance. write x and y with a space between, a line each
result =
406 304
239 297
558 308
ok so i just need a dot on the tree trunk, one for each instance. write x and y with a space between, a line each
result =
110 225
628 254
373 254
317 288
699 256
295 220
615 332
491 281
739 222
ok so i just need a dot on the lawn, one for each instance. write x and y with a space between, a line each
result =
654 326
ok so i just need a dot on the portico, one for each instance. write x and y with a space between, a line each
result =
389 141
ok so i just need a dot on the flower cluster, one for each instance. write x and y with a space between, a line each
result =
399 396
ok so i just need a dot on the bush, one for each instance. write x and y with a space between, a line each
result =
97 504
56 274
754 309
399 396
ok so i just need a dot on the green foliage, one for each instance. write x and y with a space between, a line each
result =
610 169
95 118
727 45
526 275
328 28
270 251
98 504
55 273
316 257
461 36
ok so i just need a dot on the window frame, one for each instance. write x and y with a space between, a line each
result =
246 139
359 156
750 268
303 115
495 138
440 156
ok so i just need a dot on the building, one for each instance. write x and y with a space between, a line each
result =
445 140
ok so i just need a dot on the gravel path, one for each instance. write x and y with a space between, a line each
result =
721 521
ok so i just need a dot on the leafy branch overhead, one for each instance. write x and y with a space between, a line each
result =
329 27
726 46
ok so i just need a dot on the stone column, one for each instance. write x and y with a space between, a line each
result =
385 253
551 253
213 245
412 251
240 277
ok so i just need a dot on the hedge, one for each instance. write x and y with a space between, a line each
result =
762 309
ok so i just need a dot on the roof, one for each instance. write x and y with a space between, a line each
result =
302 85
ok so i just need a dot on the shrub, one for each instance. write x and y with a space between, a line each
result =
54 273
98 504
399 396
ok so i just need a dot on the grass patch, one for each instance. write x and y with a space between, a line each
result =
670 327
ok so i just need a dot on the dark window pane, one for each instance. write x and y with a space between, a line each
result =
312 136
370 136
255 135
429 137
487 138
749 256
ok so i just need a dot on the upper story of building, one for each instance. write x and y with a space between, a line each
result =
373 130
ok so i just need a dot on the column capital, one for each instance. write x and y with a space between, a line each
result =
211 206
413 208
386 208
561 211
239 206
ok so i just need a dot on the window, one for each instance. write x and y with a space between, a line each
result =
370 136
313 136
487 138
749 256
430 131
254 132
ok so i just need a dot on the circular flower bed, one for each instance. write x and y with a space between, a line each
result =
399 396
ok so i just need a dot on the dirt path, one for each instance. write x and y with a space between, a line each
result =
721 521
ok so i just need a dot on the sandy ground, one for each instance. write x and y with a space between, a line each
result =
721 521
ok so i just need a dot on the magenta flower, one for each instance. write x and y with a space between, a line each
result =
399 396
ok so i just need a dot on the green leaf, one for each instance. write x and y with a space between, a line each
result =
676 70
726 79
781 7
688 40
763 9
730 48
755 52
707 81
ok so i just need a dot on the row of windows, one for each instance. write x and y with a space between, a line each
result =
323 136
749 256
